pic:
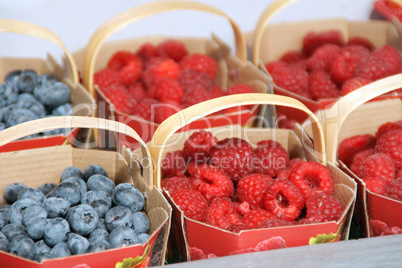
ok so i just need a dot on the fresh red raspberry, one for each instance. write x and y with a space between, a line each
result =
222 213
131 72
147 51
165 110
323 56
395 189
321 86
239 89
200 63
373 67
121 99
270 159
243 208
145 108
106 78
290 78
391 57
362 41
378 228
292 57
391 143
192 166
173 49
154 73
327 206
173 164
283 199
268 143
314 40
196 253
376 185
311 178
197 94
349 147
257 216
343 66
275 223
294 162
168 89
234 156
283 174
252 188
212 182
188 78
121 58
198 146
173 184
191 202
275 242
358 160
137 91
378 165
217 91
237 228
388 126
353 84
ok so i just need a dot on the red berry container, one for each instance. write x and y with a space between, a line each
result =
351 116
44 165
232 69
271 40
191 239
82 102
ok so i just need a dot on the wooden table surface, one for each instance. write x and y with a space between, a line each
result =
385 251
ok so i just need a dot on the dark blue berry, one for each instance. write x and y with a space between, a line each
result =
143 238
26 81
34 106
94 169
72 171
60 250
35 227
3 126
12 75
118 216
99 182
55 231
22 246
45 79
8 94
47 188
31 193
101 224
18 116
32 212
77 243
3 242
18 207
13 229
98 234
98 245
52 95
40 257
83 219
99 200
42 247
122 236
5 112
81 183
56 207
70 191
126 194
12 190
140 223
63 110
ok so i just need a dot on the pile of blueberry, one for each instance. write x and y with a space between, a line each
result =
25 96
84 213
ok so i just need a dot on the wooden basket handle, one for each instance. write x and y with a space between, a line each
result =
29 29
49 123
346 105
168 127
135 14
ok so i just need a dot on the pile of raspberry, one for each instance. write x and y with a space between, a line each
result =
233 186
328 67
377 160
155 82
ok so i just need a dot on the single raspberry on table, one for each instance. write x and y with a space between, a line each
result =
321 85
147 51
169 89
174 184
361 41
353 84
327 206
252 188
323 57
121 99
131 72
257 216
106 78
166 109
154 73
314 40
395 189
270 158
349 147
376 185
275 223
174 164
378 165
234 156
283 199
237 228
388 126
212 182
121 58
173 49
198 146
239 89
197 94
191 202
189 78
358 160
201 63
292 57
137 91
391 143
222 213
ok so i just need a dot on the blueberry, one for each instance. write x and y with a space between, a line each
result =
63 110
72 171
126 194
5 214
22 246
94 169
83 219
35 227
52 95
12 75
25 98
77 243
140 223
99 200
60 250
3 126
31 193
101 224
100 183
5 112
2 221
55 231
68 190
8 94
143 238
12 190
81 183
98 245
3 243
32 212
98 234
18 116
42 247
118 216
122 236
34 106
26 81
56 207
47 188
12 229
18 207
45 79
41 257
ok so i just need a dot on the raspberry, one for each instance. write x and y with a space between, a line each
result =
257 216
311 219
323 56
283 174
373 67
106 78
145 108
166 109
121 58
283 199
391 143
196 253
169 89
271 159
221 213
275 223
192 166
395 189
147 51
234 156
398 173
391 57
121 99
237 228
321 86
292 57
173 164
212 182
200 63
198 146
174 184
130 72
376 185
251 189
196 95
239 89
137 91
354 83
349 147
378 165
156 72
243 208
311 178
388 126
290 78
275 242
343 66
326 206
358 160
191 202
173 49
378 228
242 251
189 78
362 41
217 91
313 40
294 162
